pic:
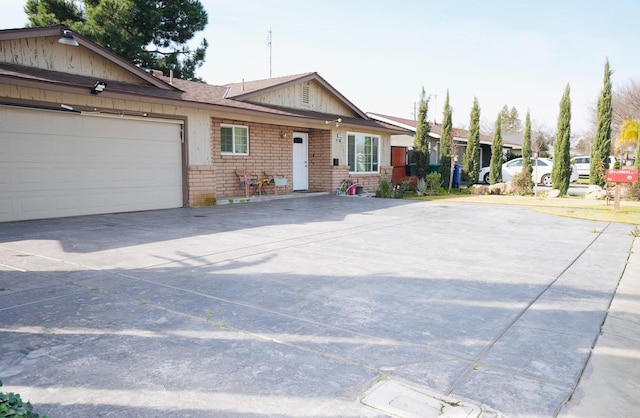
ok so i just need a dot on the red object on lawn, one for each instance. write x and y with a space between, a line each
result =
622 176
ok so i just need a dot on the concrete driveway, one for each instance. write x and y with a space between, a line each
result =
313 307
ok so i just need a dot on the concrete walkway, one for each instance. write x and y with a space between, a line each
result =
321 306
610 384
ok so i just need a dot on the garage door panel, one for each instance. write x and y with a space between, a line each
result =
32 206
55 164
65 176
31 177
5 176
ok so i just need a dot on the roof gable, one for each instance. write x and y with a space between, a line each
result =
307 92
38 48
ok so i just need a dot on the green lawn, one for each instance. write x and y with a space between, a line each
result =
574 207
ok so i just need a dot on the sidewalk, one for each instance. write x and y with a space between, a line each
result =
610 384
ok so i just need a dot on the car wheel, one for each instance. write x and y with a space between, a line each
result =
486 178
546 180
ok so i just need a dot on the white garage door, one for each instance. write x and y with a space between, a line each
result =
55 164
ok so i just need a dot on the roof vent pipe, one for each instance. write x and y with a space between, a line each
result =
171 77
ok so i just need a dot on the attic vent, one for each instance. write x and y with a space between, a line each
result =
305 93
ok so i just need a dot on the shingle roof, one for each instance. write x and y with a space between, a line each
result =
180 90
437 129
249 87
233 95
73 80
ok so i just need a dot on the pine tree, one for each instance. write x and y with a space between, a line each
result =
446 141
471 159
526 152
601 147
510 120
561 171
421 139
495 168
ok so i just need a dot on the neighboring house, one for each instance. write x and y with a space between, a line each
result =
405 140
83 131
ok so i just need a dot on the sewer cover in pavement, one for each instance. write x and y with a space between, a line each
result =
399 399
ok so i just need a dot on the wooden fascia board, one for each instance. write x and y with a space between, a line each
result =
124 64
218 110
253 93
329 87
27 33
309 77
392 122
12 34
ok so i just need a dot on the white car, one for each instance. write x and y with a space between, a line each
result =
583 164
541 171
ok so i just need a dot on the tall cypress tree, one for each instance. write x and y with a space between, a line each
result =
421 139
446 145
471 160
561 171
526 152
495 168
600 149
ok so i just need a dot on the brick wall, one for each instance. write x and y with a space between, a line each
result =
320 161
369 182
202 185
268 150
271 149
324 176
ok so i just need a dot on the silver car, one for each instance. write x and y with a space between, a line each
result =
541 171
583 164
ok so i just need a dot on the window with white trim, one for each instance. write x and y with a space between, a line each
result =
234 139
363 153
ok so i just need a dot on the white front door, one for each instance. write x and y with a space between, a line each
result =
300 161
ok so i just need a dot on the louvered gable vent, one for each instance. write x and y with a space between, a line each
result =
305 94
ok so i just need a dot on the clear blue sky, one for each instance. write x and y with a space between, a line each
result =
379 54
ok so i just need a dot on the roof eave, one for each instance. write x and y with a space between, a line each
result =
303 78
22 33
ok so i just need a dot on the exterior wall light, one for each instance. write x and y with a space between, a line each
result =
337 122
98 87
67 38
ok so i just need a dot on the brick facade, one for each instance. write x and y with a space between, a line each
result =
320 162
271 149
202 185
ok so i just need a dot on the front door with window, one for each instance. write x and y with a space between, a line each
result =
300 161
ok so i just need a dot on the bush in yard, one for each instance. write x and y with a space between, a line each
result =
433 181
409 184
384 189
421 187
633 190
522 183
12 406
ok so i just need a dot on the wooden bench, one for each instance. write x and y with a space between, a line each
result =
277 179
249 179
